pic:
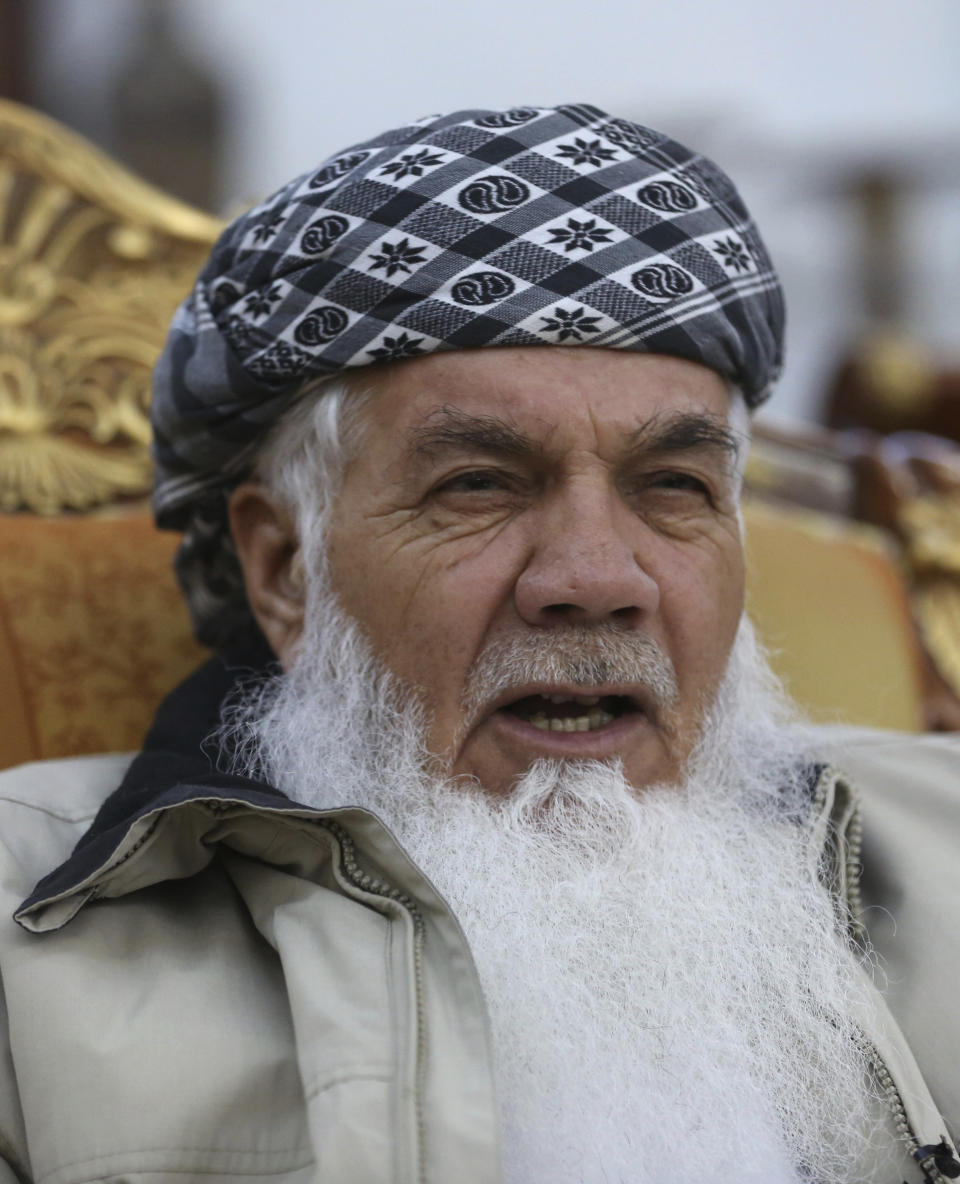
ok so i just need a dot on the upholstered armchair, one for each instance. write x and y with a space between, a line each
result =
92 628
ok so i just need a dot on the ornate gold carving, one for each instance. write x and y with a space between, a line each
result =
936 606
930 524
93 262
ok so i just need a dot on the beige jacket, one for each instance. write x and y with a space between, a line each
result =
303 1006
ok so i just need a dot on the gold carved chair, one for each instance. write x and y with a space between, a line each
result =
92 264
92 629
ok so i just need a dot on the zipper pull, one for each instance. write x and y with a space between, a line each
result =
943 1158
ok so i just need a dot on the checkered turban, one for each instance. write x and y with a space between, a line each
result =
533 226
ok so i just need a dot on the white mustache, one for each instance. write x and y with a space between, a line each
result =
586 656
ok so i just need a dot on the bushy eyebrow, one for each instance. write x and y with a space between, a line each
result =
684 431
450 428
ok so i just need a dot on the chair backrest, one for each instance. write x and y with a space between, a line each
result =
93 632
92 264
830 603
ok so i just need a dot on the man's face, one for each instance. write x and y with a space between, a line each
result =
510 494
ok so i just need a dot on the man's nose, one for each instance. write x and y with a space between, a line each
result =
585 568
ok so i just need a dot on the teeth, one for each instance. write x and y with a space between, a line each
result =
598 717
581 700
595 718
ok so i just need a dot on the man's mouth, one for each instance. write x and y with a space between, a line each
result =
571 713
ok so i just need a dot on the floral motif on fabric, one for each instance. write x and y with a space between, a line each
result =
570 324
266 230
260 304
733 254
412 164
580 236
395 348
586 152
398 256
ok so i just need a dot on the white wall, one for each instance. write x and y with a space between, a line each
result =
789 95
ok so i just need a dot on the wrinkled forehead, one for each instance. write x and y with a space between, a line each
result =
551 401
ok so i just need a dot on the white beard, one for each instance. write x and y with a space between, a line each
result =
669 988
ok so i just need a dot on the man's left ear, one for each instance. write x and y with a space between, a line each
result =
269 552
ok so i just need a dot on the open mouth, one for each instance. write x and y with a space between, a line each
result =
571 713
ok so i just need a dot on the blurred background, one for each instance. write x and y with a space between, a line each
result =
839 120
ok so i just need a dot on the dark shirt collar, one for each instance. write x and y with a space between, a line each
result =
181 761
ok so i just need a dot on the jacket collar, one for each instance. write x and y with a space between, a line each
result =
180 763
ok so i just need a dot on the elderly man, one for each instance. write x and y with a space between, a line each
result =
491 851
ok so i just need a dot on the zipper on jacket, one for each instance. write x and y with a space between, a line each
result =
373 884
853 845
905 1131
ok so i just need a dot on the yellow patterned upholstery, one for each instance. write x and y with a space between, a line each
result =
92 628
93 633
830 603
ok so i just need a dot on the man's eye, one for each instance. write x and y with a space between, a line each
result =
674 491
680 481
474 481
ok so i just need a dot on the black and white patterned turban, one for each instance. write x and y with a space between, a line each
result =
533 226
